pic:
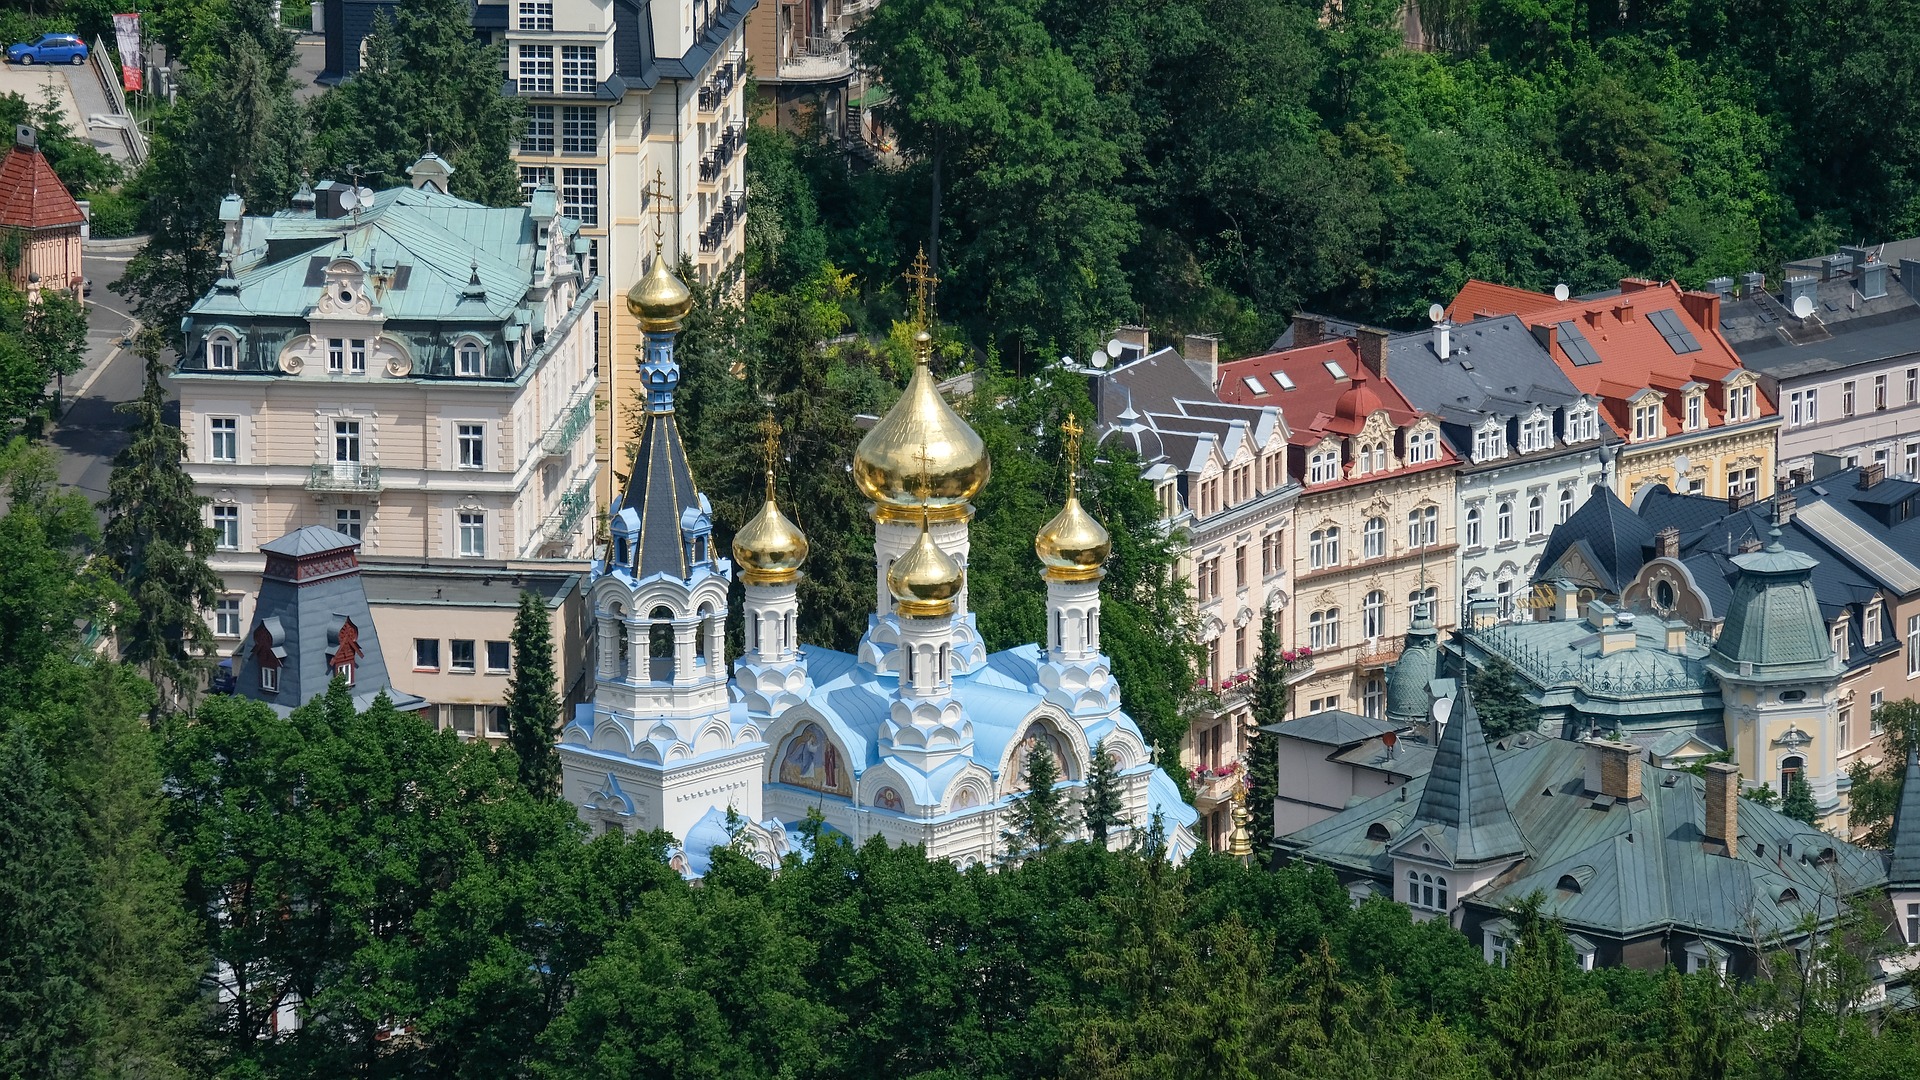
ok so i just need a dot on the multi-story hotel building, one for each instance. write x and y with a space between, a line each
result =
1667 381
407 368
804 68
636 117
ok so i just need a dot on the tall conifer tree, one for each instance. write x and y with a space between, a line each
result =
1103 808
1036 821
46 1018
533 713
1263 761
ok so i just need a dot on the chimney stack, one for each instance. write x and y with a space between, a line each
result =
1546 334
1443 339
1723 806
1308 330
1204 349
1566 601
1372 346
1784 505
1666 543
1871 474
1676 637
1703 308
1613 768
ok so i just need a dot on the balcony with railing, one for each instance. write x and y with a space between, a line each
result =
1215 783
816 59
343 476
564 522
713 93
566 428
729 213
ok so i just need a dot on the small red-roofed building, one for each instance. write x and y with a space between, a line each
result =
39 215
1669 383
1375 519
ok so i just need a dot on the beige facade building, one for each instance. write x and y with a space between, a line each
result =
807 73
411 370
636 118
1374 523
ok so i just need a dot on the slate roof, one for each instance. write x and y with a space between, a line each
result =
31 195
1637 866
1903 867
662 492
1462 811
1847 326
1610 536
1493 367
1332 728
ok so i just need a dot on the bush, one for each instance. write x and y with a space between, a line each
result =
114 214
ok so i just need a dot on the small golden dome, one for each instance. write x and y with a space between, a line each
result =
925 580
888 467
770 548
1073 546
658 299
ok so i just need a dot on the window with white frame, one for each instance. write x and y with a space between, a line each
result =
221 351
533 177
426 654
1324 466
1503 596
1426 891
346 521
346 442
1423 527
473 534
1374 538
1646 421
1323 547
469 358
223 439
1870 624
1874 701
1373 697
1422 447
462 656
1490 441
1503 523
1913 385
1740 404
1743 481
536 14
536 69
1913 645
1323 629
1536 433
269 679
1536 516
1696 411
579 129
537 136
357 357
1473 526
337 355
1271 554
1373 615
1499 948
580 195
1566 503
1803 407
226 528
499 656
226 617
1879 392
579 69
1846 398
472 439
1913 459
1430 596
1582 423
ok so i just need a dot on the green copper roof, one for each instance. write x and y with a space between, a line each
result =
1773 620
1463 812
1905 867
1409 693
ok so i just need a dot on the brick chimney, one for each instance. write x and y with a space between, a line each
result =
1308 330
1704 307
1723 806
1547 335
1739 501
1666 543
1613 768
1372 345
1871 474
1630 285
1204 349
1784 505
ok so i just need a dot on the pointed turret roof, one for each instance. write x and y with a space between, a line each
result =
1904 868
1610 535
662 493
31 196
1462 811
1773 619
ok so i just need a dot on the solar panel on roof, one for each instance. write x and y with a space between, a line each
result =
1575 345
1677 336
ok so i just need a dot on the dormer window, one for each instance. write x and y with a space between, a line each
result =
1646 420
222 351
1490 441
1323 466
1696 411
1422 447
1740 403
1870 626
469 355
1536 433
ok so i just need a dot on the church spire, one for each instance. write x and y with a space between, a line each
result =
1463 797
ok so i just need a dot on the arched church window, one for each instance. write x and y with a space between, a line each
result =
700 636
660 634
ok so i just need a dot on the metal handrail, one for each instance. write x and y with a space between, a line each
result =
326 476
573 508
567 427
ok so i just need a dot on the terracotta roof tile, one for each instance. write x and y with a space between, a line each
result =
31 196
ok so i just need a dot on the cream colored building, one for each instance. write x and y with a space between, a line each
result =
413 370
637 120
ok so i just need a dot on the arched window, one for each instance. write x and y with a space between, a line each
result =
1440 885
222 351
1413 887
1426 890
1375 537
1791 769
1473 527
700 634
1323 467
1566 503
469 361
1373 615
660 645
1536 516
1503 523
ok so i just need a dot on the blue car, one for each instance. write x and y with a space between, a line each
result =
50 49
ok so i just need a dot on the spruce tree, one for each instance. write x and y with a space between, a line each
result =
1103 810
1036 820
155 536
533 713
1503 706
1797 802
1263 757
46 1019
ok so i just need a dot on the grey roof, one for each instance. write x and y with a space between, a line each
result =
476 584
1612 538
1153 383
1410 683
1847 327
1462 810
310 594
1904 866
1332 728
1494 367
661 493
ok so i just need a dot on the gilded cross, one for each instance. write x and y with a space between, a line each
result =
924 488
769 446
1073 429
920 275
657 194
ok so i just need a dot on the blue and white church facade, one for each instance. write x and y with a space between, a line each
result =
920 736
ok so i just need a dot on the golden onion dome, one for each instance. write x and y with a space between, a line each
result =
925 580
770 548
659 300
1073 546
888 466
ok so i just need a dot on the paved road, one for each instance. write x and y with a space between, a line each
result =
310 55
91 432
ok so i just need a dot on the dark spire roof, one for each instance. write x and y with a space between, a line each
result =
1612 537
1904 869
1463 809
661 493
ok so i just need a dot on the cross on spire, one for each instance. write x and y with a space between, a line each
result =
925 282
657 194
1073 429
769 446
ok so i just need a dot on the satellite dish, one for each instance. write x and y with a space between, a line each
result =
348 199
1114 347
365 196
1099 358
1435 313
1802 306
1561 292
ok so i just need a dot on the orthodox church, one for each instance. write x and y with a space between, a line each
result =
919 737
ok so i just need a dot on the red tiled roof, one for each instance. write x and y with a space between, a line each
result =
1633 353
31 196
1485 298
